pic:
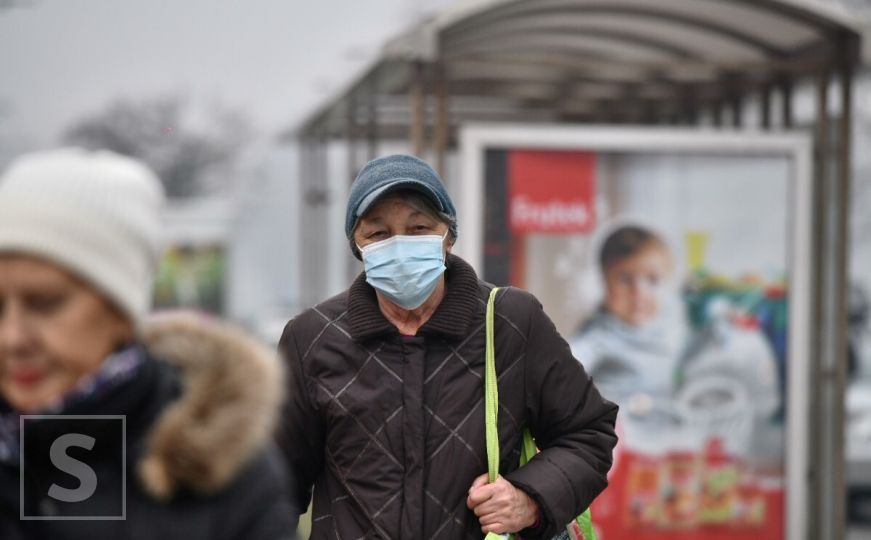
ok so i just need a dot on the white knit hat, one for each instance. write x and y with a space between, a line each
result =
96 214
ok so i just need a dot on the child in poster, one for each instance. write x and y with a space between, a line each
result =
680 466
629 346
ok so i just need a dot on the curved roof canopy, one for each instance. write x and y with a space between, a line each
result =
589 60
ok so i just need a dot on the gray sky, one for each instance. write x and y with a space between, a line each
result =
274 59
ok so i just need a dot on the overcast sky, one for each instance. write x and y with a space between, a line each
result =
274 59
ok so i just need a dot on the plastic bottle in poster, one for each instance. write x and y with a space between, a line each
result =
681 488
751 500
648 428
721 477
642 504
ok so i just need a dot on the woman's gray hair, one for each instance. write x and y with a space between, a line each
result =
422 204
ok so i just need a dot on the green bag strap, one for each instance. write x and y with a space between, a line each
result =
491 408
491 401
491 424
491 393
529 449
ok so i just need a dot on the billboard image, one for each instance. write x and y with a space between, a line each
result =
671 274
192 277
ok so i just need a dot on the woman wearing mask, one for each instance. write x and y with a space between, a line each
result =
386 418
78 250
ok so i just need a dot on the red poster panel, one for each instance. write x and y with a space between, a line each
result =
681 494
551 191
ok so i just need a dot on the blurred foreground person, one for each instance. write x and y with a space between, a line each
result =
78 250
386 414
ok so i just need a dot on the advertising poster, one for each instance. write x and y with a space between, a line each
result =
192 277
670 275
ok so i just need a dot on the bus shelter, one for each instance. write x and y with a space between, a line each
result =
689 63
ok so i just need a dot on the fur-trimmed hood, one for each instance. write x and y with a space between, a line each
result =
231 394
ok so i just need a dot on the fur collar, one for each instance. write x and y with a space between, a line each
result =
231 393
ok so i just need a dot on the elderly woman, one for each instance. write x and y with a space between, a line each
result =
78 246
386 416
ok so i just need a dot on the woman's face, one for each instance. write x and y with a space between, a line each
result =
391 216
633 285
54 330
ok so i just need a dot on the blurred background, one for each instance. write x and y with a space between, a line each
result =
256 115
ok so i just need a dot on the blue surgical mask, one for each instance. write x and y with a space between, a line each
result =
405 269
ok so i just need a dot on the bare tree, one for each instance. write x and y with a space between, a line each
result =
189 159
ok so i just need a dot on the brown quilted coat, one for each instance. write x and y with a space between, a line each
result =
390 429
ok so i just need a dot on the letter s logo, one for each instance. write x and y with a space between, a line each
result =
86 475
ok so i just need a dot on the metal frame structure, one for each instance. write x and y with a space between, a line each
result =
626 62
588 61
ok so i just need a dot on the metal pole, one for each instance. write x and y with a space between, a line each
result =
418 110
766 107
372 122
351 137
833 309
737 109
717 113
313 182
819 500
322 222
691 115
691 105
786 104
353 166
305 214
442 121
835 370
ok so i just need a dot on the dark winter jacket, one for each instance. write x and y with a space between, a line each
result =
200 464
390 429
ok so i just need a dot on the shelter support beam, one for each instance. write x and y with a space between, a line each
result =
351 139
717 113
737 111
817 393
442 122
315 196
833 195
786 103
372 122
418 109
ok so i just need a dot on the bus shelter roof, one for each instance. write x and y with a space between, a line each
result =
587 61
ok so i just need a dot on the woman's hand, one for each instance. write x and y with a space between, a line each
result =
501 507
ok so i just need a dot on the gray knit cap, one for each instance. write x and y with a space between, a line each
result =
390 173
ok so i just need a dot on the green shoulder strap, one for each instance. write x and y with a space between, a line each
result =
491 401
580 528
491 393
529 449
